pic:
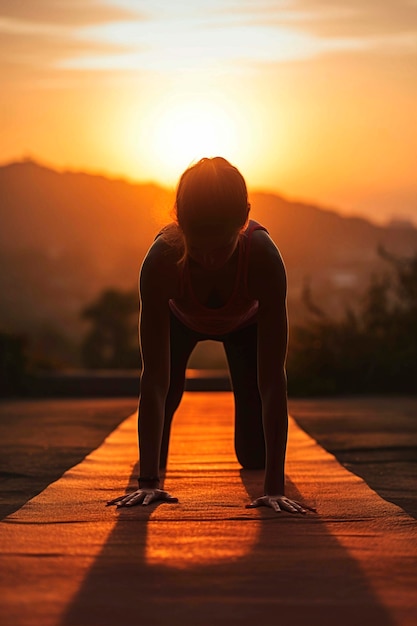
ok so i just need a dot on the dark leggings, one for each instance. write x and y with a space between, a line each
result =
241 352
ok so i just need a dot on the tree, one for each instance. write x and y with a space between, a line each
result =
112 340
13 364
373 349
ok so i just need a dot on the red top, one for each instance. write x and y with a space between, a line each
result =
239 311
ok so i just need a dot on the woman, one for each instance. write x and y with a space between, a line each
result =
214 274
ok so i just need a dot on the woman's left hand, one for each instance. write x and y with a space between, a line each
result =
280 503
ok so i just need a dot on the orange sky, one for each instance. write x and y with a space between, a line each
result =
314 99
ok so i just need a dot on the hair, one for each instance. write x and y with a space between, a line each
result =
211 195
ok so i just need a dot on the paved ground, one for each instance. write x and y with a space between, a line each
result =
374 437
69 561
41 439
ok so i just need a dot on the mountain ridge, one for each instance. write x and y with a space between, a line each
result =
67 235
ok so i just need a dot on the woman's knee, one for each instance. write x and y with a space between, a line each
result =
251 459
250 452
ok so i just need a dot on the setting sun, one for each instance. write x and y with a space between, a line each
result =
312 104
189 131
178 133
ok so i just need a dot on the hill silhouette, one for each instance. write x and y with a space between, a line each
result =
66 236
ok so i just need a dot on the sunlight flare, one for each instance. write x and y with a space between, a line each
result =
180 133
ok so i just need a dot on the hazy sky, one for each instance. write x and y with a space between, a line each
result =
315 99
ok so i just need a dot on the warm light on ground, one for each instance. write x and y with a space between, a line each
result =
199 543
193 541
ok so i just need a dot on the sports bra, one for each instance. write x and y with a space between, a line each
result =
239 311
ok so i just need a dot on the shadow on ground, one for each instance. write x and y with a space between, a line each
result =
124 587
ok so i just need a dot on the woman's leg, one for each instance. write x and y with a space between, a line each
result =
182 342
241 349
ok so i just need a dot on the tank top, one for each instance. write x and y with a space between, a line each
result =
239 311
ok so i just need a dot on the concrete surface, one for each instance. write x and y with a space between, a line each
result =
67 560
41 439
374 437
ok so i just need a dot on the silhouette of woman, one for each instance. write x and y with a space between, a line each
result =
214 274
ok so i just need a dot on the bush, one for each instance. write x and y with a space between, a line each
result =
371 350
112 341
13 364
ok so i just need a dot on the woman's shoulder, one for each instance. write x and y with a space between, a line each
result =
266 266
263 248
167 247
160 268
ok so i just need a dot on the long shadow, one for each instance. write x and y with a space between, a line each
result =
296 573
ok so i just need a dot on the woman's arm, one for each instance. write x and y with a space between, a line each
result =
154 329
156 280
268 283
272 352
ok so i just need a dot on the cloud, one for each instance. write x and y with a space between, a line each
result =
156 35
37 49
70 13
41 35
330 18
232 34
363 18
29 52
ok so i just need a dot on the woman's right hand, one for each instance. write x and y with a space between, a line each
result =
143 497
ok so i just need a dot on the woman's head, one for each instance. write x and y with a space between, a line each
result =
211 198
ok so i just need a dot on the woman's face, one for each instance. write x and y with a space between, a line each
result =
211 250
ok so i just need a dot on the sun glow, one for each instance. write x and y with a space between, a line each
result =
189 132
180 133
